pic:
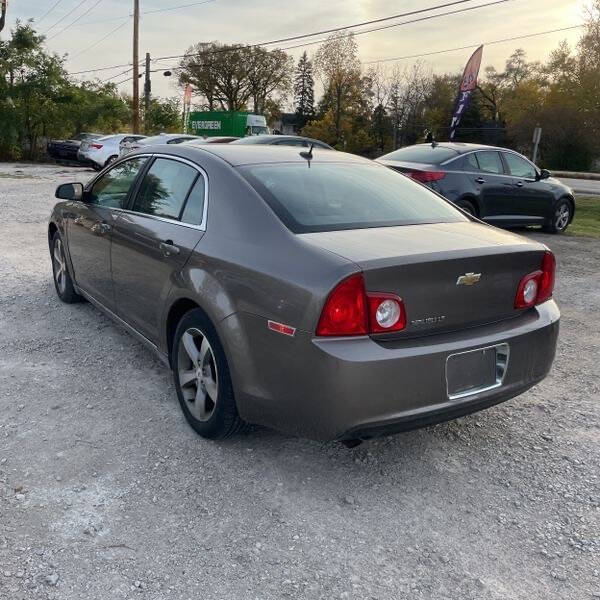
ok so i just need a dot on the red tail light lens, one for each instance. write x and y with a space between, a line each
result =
537 287
349 310
345 310
548 278
97 146
426 176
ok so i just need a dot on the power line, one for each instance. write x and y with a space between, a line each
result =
307 35
427 18
117 75
65 16
48 11
319 41
510 39
100 40
77 19
148 12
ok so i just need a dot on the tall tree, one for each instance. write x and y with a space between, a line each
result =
268 74
304 91
230 77
336 63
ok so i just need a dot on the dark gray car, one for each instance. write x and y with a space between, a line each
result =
497 185
282 140
320 294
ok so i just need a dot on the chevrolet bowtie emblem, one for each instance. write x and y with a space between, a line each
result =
468 279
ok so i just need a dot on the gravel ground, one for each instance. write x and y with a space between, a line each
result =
106 493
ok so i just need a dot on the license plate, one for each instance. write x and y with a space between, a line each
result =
476 371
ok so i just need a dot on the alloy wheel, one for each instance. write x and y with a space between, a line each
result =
60 266
197 370
562 216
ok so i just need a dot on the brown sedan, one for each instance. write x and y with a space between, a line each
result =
307 290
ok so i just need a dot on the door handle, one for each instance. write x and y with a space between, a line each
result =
168 248
101 228
480 180
519 184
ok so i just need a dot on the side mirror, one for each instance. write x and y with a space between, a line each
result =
69 191
544 174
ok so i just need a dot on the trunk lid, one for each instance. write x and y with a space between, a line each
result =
423 263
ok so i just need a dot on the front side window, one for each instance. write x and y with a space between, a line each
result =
519 167
112 189
164 189
490 162
333 196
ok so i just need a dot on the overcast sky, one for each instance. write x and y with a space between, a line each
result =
172 32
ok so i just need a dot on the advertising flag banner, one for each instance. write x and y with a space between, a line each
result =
187 102
467 85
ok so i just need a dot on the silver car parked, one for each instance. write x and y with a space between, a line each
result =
315 292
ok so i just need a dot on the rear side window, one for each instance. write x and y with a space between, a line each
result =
194 207
422 154
165 188
333 196
519 167
471 163
112 189
490 162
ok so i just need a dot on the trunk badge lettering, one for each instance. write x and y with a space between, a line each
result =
428 320
468 279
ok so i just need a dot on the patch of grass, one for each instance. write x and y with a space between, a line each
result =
587 217
16 176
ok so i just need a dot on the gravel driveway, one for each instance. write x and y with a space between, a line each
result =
106 493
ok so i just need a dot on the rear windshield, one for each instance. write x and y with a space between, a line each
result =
333 196
422 154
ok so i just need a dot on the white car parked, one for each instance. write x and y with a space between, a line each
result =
103 151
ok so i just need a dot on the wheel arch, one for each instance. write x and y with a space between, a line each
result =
176 312
52 229
571 201
472 199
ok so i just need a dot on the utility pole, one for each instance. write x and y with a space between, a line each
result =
3 4
136 71
147 90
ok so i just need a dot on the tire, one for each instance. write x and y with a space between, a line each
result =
60 272
111 159
467 206
561 217
202 378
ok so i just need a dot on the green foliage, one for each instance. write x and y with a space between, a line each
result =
304 91
38 101
232 77
163 115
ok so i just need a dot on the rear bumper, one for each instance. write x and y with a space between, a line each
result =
346 388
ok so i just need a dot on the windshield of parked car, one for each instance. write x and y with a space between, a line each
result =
422 154
315 196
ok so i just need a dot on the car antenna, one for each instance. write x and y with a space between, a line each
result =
308 155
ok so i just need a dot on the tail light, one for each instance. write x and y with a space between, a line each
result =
426 176
350 310
96 146
537 287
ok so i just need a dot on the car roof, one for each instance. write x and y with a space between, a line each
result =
462 147
240 154
267 138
